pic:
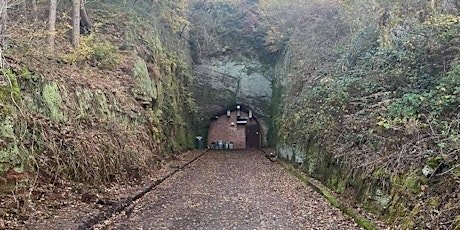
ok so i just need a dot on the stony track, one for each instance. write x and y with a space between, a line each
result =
231 190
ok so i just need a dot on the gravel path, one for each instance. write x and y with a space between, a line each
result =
232 190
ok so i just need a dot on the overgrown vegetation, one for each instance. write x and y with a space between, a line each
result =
81 113
98 53
376 86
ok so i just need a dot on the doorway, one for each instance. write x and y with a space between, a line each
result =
252 137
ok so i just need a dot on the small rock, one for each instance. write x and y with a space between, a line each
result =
427 170
89 198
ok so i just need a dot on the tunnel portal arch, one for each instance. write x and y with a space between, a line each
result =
239 128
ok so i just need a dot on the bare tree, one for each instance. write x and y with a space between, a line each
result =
85 20
35 9
52 25
3 25
76 23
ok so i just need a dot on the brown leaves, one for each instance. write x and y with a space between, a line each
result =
238 189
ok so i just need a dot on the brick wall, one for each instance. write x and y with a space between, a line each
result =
222 129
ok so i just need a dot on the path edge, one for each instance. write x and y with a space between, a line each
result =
321 189
123 204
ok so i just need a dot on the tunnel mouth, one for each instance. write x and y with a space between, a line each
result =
237 128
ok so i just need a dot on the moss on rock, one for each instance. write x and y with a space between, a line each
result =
84 99
114 122
10 96
103 106
53 101
9 90
146 90
9 151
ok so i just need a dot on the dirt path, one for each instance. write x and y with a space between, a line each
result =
231 190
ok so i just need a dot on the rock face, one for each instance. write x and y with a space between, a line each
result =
384 192
223 83
10 155
61 113
232 64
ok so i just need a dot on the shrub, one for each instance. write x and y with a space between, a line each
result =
105 55
102 54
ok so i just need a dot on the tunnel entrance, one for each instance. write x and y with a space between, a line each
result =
235 130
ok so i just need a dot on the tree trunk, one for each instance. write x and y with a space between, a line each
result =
52 25
85 20
35 9
3 25
24 5
76 23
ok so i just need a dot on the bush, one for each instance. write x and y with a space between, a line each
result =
102 54
105 55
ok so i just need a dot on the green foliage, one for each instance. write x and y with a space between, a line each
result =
317 112
440 102
105 55
9 90
97 52
385 96
406 107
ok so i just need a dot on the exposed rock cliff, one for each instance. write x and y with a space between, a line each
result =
232 65
113 108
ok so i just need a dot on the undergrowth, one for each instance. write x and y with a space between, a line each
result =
383 97
81 122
